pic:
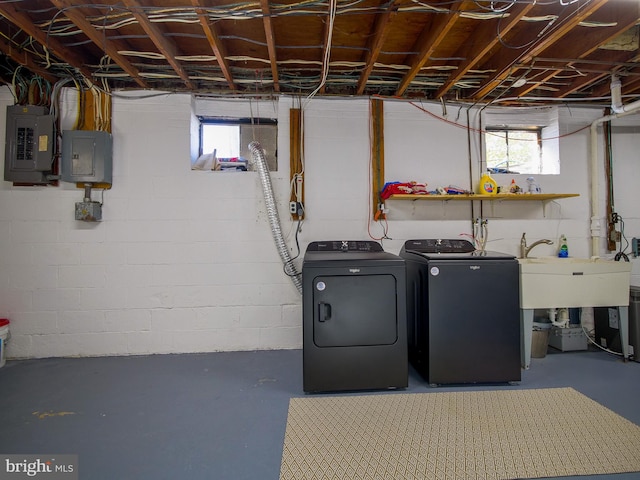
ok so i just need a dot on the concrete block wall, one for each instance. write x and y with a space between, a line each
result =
184 261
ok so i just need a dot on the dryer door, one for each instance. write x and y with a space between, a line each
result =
355 310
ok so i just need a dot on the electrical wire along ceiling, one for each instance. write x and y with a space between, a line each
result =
466 50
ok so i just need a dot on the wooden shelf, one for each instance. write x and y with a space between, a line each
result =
491 198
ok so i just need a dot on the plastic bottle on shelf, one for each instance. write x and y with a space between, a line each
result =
488 185
533 186
563 252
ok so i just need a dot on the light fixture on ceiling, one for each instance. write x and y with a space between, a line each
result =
519 82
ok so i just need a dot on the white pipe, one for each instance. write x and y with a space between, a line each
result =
620 111
616 98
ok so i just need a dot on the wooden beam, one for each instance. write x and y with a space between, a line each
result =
377 153
271 43
325 45
110 47
163 44
22 21
483 40
566 21
25 59
295 156
374 46
432 37
214 42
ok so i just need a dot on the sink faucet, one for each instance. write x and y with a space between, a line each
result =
524 250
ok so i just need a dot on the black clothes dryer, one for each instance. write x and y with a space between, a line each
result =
463 310
354 317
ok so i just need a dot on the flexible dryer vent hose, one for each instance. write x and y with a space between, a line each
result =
260 162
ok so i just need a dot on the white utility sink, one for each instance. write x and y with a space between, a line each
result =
552 282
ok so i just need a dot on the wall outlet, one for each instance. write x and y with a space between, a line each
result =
295 208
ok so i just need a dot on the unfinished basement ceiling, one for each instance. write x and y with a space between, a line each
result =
467 50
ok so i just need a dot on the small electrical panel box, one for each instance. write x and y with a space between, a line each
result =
29 144
87 156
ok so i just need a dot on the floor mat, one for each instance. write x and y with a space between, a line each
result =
484 435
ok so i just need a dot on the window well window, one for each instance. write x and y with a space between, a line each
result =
224 143
223 139
522 141
514 150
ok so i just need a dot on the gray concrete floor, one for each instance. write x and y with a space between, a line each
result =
217 415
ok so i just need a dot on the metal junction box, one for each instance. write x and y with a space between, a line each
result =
29 144
87 156
89 211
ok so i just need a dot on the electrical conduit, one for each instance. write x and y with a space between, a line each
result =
260 162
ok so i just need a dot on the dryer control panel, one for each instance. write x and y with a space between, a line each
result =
345 246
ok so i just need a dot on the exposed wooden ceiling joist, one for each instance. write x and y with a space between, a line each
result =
216 45
271 43
479 46
26 60
376 41
326 49
22 21
581 43
540 39
109 47
463 50
165 47
430 40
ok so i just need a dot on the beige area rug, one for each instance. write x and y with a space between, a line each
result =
480 435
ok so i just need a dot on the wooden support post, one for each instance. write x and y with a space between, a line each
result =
377 154
295 158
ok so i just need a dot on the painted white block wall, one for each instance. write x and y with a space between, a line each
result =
184 261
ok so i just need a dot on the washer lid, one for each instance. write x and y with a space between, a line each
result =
449 249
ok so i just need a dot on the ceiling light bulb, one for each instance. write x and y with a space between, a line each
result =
519 82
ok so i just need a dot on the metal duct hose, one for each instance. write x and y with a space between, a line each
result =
259 160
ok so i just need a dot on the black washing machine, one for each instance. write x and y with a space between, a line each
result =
463 310
354 317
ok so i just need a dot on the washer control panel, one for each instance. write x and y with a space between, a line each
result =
439 245
345 246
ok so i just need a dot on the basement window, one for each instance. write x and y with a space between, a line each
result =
224 143
522 142
514 150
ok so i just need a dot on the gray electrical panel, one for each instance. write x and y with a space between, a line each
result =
29 144
87 156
